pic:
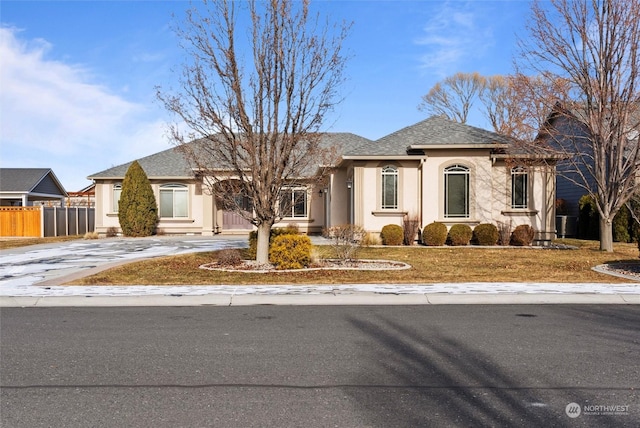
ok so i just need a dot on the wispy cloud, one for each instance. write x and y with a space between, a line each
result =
454 36
52 114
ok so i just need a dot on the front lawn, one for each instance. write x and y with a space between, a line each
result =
429 265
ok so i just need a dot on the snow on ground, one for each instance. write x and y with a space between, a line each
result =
24 289
21 271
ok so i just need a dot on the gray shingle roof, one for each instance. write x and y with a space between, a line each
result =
435 130
171 163
22 179
167 163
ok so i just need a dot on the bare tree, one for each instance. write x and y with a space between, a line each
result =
254 115
595 46
454 96
518 106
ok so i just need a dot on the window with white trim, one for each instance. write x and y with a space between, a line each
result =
519 188
293 202
174 201
389 199
117 192
456 192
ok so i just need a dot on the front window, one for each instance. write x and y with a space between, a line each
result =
456 192
117 192
174 200
519 188
389 188
293 202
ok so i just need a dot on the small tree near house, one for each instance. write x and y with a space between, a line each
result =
137 208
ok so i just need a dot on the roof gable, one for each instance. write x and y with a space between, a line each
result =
30 180
434 131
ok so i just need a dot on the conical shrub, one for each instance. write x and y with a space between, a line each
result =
137 209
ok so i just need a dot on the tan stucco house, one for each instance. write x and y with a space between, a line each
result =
435 170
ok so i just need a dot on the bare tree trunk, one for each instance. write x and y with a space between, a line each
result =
606 234
262 249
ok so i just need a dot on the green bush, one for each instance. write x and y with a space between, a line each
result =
588 219
459 234
522 235
137 208
485 234
392 234
434 234
276 231
290 251
621 225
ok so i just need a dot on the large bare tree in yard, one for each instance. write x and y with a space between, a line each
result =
594 45
253 100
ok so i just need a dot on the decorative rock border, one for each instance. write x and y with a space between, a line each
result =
333 264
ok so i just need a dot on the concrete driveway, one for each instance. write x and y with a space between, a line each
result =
48 264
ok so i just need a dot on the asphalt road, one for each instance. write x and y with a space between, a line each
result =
279 366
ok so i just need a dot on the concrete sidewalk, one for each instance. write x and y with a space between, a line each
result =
352 294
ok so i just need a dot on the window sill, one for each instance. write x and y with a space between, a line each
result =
517 212
112 214
457 220
175 220
389 213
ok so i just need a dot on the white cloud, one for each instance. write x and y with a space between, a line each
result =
53 115
453 37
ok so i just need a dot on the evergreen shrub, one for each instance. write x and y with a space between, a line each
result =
485 234
276 231
137 208
392 234
459 234
621 225
290 251
434 234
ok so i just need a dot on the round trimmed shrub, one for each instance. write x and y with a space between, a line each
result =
276 231
522 235
290 251
392 234
485 234
434 234
459 234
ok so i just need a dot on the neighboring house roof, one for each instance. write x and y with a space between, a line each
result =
171 163
34 181
430 133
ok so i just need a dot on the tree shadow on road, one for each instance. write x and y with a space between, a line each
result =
418 378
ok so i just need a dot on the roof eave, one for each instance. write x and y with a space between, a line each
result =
458 146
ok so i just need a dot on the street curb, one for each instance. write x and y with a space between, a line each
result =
356 299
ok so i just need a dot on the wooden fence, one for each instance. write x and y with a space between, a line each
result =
46 221
20 221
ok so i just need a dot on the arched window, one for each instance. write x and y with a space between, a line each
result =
174 201
456 192
117 192
389 188
519 188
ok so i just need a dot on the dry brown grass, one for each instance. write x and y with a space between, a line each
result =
7 243
454 264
